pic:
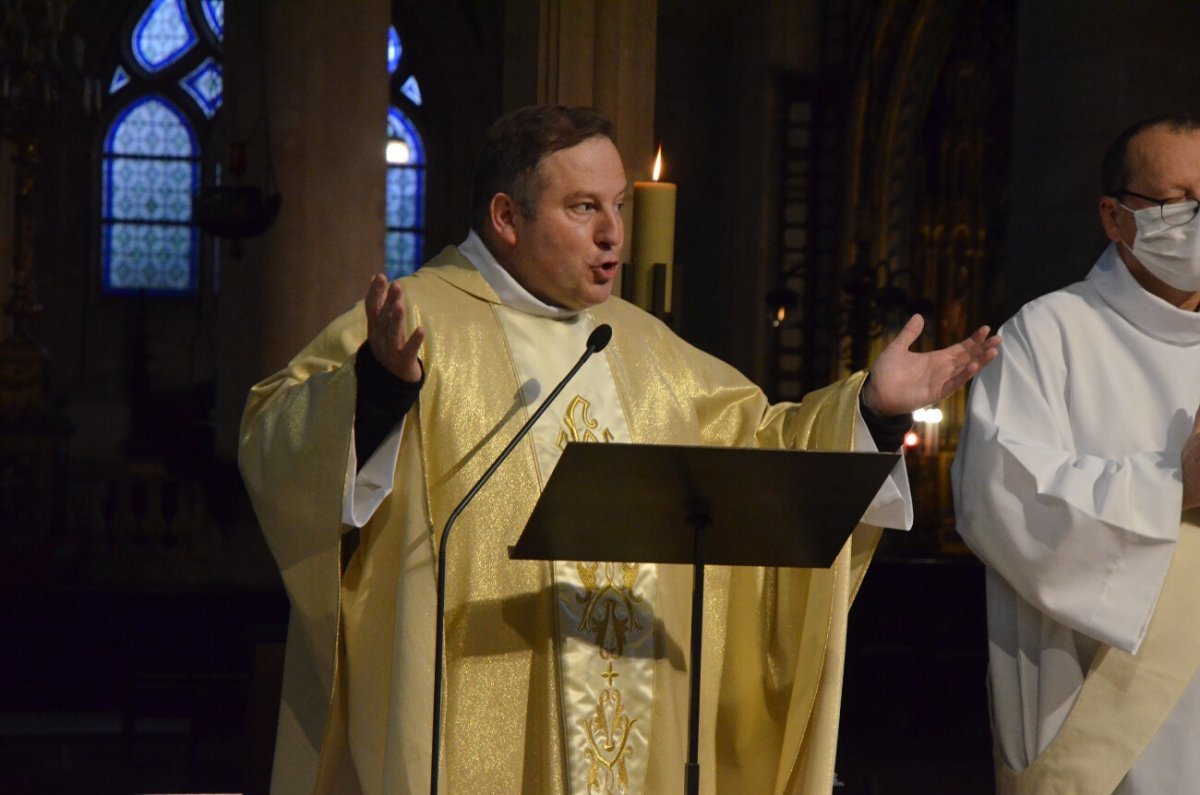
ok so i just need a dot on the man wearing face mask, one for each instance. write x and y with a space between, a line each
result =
1076 483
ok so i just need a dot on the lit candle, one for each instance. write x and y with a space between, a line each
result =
931 419
653 236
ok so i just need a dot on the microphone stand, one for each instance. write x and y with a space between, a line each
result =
595 343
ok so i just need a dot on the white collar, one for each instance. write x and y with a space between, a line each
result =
507 289
1154 316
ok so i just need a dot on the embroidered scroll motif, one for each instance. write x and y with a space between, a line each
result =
610 608
580 427
608 731
599 597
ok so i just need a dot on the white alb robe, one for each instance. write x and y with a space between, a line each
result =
1068 486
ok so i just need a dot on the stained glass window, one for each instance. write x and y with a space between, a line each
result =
204 86
411 90
406 167
163 35
214 15
151 169
166 89
394 50
120 79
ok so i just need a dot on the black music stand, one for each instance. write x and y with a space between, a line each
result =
700 505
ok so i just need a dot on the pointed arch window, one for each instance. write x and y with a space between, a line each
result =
405 213
164 94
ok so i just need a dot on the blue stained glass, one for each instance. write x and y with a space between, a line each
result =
411 90
163 35
405 191
151 165
401 128
403 253
150 171
120 79
151 126
204 85
149 189
149 257
404 205
214 15
394 49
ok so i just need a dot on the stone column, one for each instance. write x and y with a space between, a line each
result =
308 78
599 53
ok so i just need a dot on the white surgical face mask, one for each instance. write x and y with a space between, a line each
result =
1171 253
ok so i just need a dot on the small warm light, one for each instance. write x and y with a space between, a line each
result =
911 439
929 416
780 314
397 153
657 165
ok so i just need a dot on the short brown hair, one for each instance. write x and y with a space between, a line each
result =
515 145
1115 171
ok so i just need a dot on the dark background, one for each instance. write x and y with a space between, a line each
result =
866 158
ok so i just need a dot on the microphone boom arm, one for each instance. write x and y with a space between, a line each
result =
596 342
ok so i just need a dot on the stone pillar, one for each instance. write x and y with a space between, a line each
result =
308 78
598 53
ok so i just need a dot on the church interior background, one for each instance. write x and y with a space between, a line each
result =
189 191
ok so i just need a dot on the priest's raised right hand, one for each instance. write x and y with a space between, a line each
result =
384 306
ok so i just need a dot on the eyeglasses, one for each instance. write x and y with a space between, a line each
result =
1175 212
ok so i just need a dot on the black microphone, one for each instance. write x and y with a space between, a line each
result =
596 341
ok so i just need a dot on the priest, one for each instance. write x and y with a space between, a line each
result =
564 677
1076 482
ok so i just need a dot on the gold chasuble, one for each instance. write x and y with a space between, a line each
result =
560 678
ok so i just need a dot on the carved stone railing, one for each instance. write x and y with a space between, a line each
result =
144 523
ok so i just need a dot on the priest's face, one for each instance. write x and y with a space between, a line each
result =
567 253
1163 164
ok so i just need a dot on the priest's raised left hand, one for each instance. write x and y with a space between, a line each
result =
903 381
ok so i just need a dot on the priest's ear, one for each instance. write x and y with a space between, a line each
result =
1117 224
503 218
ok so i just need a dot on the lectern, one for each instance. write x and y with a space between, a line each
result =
701 505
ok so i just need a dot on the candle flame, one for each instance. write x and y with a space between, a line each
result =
657 164
929 415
